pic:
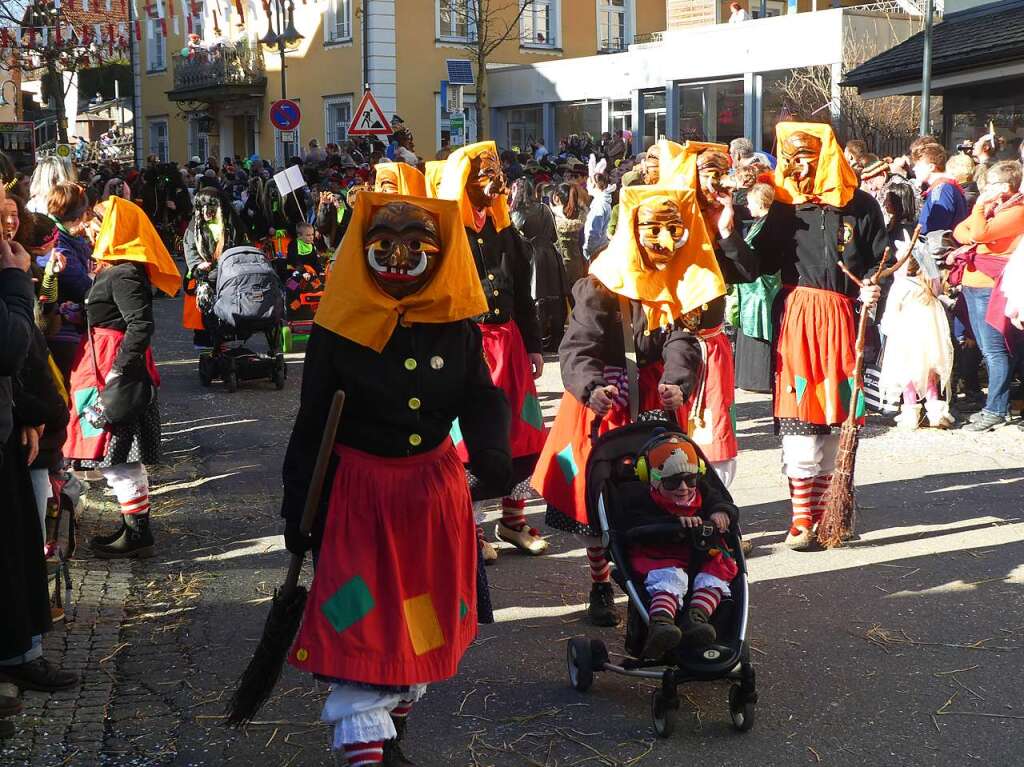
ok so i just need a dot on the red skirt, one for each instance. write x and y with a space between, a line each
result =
560 475
510 369
814 357
393 599
191 317
712 418
84 441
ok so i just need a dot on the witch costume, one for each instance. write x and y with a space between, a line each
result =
393 603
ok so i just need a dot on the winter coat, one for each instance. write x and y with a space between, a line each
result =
16 329
38 401
73 281
595 230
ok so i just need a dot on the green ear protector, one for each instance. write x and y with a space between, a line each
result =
642 466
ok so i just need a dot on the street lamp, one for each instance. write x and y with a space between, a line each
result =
288 40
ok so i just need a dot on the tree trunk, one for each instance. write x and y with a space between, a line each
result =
57 88
481 99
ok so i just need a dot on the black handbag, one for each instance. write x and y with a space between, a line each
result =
126 397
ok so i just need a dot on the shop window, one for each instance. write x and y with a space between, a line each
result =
578 117
711 111
654 117
772 8
524 126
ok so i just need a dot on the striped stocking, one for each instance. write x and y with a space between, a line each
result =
364 754
821 485
512 513
401 711
706 600
600 570
663 602
801 492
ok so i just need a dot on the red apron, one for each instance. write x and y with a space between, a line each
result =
506 358
191 317
712 418
84 441
560 476
393 599
814 357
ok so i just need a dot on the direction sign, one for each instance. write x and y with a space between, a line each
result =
368 119
285 114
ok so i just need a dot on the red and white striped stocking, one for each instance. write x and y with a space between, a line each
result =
801 493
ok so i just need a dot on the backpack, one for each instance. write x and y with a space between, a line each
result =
248 289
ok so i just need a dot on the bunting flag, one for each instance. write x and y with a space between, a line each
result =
216 24
241 13
110 40
85 5
138 31
188 21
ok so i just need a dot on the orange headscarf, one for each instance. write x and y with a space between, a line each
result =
409 180
835 181
433 171
690 280
687 177
453 184
354 307
128 235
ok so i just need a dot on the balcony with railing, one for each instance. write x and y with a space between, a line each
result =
223 71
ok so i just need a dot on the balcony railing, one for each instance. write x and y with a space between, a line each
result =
229 66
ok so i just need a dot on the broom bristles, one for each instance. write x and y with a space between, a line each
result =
838 519
260 676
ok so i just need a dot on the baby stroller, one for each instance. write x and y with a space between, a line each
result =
612 491
247 299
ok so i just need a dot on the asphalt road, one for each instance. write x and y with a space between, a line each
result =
903 648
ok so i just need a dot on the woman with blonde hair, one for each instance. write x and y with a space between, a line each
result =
49 172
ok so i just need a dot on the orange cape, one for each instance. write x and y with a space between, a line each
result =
408 179
834 182
453 184
355 308
691 280
127 234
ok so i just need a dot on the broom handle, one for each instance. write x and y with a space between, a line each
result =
316 486
862 329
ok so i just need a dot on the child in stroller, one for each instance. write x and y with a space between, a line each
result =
303 280
671 547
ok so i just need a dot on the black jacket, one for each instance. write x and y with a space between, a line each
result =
594 340
122 299
16 330
806 241
37 401
400 402
506 274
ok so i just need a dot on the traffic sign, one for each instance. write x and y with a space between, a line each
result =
287 136
368 119
285 114
457 129
63 150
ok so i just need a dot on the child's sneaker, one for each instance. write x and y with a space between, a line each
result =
663 636
938 413
697 632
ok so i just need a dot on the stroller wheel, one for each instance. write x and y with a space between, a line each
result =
231 379
740 709
580 664
663 714
205 370
280 375
598 654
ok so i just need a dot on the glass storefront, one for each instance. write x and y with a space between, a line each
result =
620 115
711 111
524 126
654 116
969 111
578 117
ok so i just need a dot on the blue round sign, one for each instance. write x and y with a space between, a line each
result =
285 114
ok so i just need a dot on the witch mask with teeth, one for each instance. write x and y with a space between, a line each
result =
403 248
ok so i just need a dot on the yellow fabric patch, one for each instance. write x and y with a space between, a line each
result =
422 624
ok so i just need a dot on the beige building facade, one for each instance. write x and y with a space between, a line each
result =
212 99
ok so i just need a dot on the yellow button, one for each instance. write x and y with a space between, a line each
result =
479 240
301 654
415 440
414 403
496 293
490 276
437 362
410 364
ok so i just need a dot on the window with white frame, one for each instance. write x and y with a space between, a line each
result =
198 139
196 12
613 24
159 139
772 8
337 117
538 26
456 19
339 21
156 47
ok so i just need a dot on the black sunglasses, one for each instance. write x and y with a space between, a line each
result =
674 481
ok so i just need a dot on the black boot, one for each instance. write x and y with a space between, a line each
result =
393 756
108 538
601 610
135 541
697 632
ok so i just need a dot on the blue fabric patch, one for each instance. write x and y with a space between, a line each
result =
456 432
567 463
85 398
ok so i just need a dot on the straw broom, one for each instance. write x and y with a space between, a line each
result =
837 521
261 675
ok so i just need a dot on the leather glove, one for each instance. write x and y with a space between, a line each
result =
494 470
297 543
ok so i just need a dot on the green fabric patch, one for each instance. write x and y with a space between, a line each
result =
456 432
348 604
85 398
801 387
567 463
861 405
532 413
732 416
463 608
845 392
